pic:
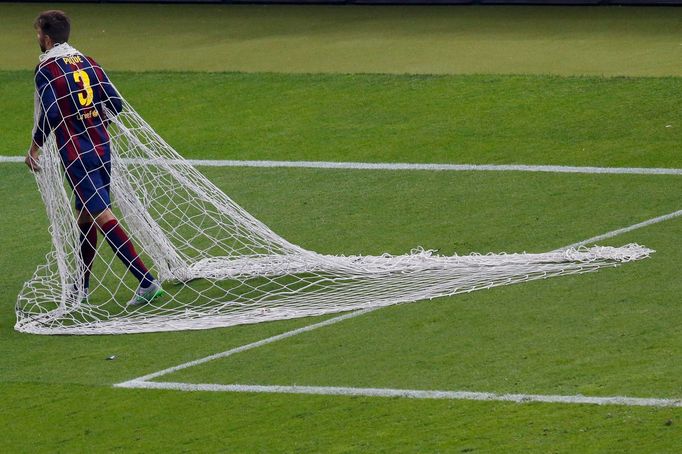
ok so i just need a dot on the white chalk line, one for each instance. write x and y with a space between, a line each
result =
406 166
407 393
620 231
144 383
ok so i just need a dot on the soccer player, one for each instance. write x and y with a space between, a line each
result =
76 96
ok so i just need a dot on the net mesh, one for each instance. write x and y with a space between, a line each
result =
219 265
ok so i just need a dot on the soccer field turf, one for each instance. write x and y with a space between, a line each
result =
611 333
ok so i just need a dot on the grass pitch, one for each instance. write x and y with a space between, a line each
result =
612 332
366 39
497 119
608 333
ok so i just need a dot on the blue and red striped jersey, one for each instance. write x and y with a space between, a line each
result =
73 92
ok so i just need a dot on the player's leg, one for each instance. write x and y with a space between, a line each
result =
88 246
93 191
76 174
124 248
114 233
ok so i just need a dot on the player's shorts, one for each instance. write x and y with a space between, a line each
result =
90 180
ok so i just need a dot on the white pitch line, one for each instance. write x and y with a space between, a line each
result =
408 393
438 167
630 228
9 159
409 166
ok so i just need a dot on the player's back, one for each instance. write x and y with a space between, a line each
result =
74 91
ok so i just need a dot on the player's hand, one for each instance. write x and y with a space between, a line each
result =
31 162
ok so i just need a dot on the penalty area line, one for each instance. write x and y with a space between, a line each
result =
409 393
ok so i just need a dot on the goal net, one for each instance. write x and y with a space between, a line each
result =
220 266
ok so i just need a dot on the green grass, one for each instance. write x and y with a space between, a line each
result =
108 419
389 118
310 39
602 334
612 332
239 423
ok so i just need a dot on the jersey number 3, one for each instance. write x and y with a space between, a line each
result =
82 76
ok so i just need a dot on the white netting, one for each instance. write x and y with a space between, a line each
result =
220 266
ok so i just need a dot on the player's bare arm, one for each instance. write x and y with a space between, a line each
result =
32 157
